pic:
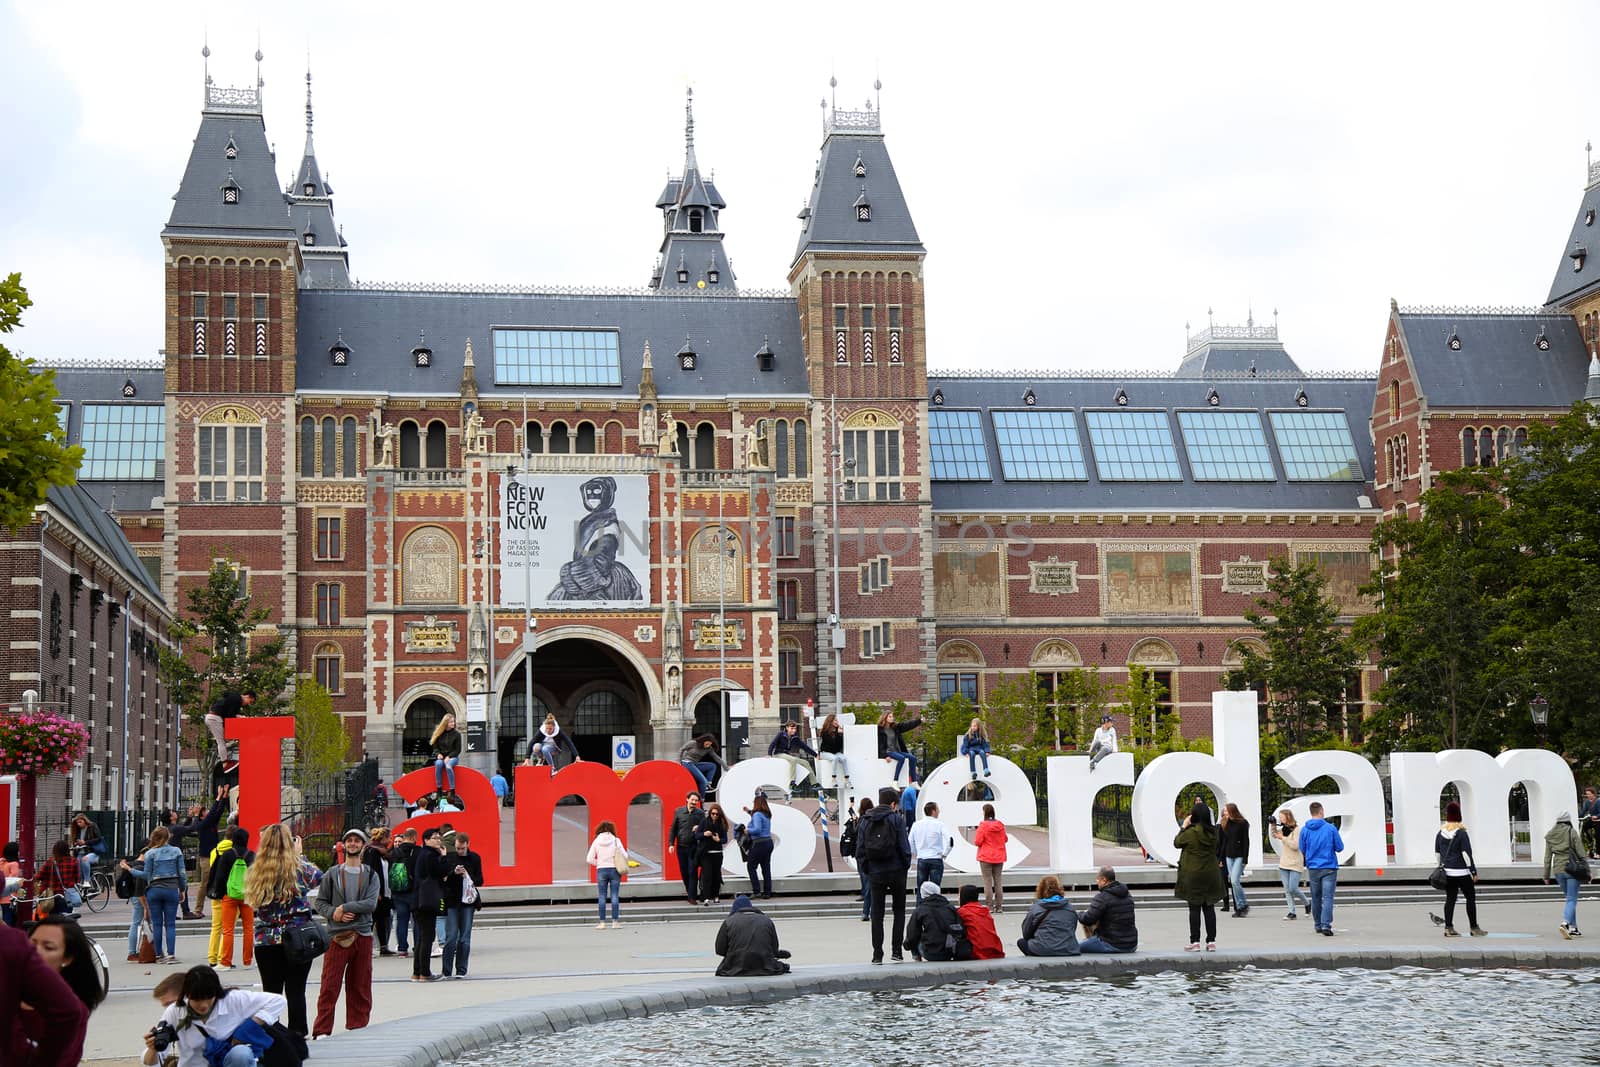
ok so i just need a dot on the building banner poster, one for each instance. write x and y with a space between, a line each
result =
573 540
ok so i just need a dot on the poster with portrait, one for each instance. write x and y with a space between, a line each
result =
574 540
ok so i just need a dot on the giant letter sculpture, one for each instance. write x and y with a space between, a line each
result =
538 790
794 839
1234 773
1014 805
1483 781
1358 804
260 769
1072 787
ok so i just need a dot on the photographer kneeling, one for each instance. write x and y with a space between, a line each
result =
217 1027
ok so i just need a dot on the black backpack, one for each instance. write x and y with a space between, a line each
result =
880 840
126 886
847 839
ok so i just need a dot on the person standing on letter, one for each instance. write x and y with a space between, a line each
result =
1321 844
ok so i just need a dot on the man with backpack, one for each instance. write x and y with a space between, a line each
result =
884 850
403 888
227 898
218 867
346 899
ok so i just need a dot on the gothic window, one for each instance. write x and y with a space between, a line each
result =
220 479
330 603
683 444
1486 447
330 447
1502 444
534 434
780 448
1394 400
1469 447
705 447
560 440
788 663
329 665
585 441
871 458
350 439
1519 441
437 457
410 446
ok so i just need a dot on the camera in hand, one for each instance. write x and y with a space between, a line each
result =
163 1035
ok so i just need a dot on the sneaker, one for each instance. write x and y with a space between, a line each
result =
438 950
1478 931
1566 932
1289 917
172 961
1451 931
1327 931
898 958
1193 946
1574 931
601 925
224 967
877 961
615 923
1211 946
386 952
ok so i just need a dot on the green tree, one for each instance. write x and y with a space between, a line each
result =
1310 659
1012 710
219 648
944 721
34 454
322 747
1140 697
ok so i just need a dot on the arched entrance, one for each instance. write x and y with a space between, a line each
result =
422 716
592 686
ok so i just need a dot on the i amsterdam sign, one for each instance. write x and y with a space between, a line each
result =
1233 774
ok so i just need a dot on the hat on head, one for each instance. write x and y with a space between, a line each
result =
741 903
353 832
929 889
1105 718
761 793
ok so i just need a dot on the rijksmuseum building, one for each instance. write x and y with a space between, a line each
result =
699 488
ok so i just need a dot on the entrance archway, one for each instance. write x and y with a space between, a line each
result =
596 686
422 716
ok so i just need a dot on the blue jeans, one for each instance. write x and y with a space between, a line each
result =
402 926
1236 880
900 760
866 890
457 939
133 926
1323 882
609 881
930 871
239 1056
164 916
973 752
759 866
86 866
704 774
444 767
1095 944
1569 886
1291 889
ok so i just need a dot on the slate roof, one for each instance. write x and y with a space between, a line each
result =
697 253
1499 363
381 326
1569 283
1353 397
102 530
829 222
198 208
78 383
1270 359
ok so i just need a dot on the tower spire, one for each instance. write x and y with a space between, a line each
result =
689 162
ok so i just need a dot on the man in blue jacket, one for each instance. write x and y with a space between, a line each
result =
1320 844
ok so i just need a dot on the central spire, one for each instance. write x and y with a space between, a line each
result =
309 152
689 163
326 264
691 256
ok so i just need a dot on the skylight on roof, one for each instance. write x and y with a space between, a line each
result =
1133 446
122 442
955 443
1226 446
1039 446
538 356
1316 446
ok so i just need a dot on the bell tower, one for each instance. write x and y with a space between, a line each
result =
857 278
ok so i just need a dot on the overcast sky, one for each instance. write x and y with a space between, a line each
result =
1086 181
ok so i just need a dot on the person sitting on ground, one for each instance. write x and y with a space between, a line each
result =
703 761
978 922
1108 920
788 747
934 930
747 941
1051 926
220 1026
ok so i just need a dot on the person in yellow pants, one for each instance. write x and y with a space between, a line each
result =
230 907
220 857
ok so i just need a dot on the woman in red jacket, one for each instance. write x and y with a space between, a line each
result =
991 842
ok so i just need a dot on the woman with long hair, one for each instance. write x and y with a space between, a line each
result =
66 948
760 859
56 885
991 841
1291 863
703 760
276 888
87 844
851 834
164 876
711 831
446 745
1454 848
975 744
1199 877
830 747
609 859
207 1016
1233 845
375 856
892 745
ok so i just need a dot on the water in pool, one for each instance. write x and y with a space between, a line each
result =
1270 1018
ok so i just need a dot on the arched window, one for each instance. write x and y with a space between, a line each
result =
705 447
1394 400
560 443
349 443
872 456
602 712
802 450
683 443
1519 441
1502 444
229 461
410 446
585 442
308 447
788 662
780 449
329 667
1486 447
330 447
535 437
1405 456
1469 447
438 457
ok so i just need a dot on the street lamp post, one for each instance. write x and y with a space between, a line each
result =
1539 708
836 617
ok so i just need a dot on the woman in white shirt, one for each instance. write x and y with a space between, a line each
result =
207 1010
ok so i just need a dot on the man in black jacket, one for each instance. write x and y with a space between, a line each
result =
227 706
1109 917
935 931
404 854
683 846
747 941
202 826
883 847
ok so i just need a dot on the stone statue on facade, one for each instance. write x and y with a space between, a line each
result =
475 433
667 442
386 434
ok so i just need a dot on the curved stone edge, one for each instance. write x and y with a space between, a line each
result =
426 1040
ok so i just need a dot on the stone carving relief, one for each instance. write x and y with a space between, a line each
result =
969 583
716 566
429 565
430 635
1055 655
1244 576
1053 577
1148 580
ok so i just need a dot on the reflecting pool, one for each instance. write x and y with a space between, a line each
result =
1249 1017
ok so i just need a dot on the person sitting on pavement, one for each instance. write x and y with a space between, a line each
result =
934 930
747 941
978 922
1051 926
1108 920
788 747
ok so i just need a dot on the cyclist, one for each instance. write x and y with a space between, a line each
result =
87 845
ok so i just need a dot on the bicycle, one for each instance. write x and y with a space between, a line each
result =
97 891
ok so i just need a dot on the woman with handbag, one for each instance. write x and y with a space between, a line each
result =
427 876
711 831
759 862
1454 848
276 889
1563 846
609 859
1291 861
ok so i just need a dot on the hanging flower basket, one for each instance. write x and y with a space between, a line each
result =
41 743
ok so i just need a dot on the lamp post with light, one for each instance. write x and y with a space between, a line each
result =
1539 709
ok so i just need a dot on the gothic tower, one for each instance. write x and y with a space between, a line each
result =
857 278
691 256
